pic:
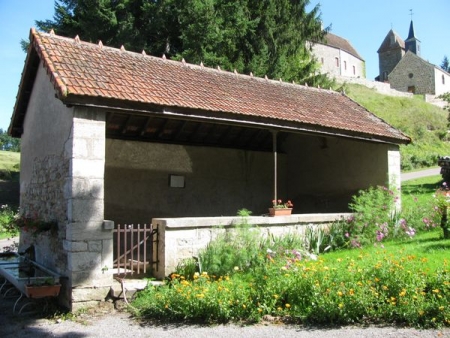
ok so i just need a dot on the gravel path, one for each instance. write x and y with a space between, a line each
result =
112 323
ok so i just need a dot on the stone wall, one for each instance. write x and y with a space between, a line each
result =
44 172
388 60
413 72
62 169
380 87
217 181
88 242
181 238
346 62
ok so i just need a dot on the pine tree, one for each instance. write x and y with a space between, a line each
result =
263 37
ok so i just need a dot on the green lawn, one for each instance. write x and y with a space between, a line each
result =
9 165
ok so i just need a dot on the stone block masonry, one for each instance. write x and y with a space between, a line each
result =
88 244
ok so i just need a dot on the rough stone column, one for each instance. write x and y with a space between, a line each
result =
394 173
89 246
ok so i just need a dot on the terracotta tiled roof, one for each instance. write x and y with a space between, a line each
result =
335 41
83 71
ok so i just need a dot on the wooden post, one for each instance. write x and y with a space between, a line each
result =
275 164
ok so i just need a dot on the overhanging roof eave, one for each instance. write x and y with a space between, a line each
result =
231 119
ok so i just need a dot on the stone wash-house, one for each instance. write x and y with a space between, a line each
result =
401 65
108 134
338 58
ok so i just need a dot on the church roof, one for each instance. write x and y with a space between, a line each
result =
391 41
411 31
89 74
335 41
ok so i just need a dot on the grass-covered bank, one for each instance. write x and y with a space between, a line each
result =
425 123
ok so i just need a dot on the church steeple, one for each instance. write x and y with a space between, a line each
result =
412 43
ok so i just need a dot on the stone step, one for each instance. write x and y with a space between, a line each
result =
130 286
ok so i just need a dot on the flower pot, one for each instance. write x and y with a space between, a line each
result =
39 291
280 211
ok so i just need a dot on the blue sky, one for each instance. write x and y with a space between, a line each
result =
364 23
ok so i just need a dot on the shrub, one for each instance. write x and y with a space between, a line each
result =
7 221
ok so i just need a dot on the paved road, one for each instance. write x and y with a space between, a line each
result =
422 173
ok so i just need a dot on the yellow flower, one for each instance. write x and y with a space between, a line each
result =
288 305
441 308
279 308
275 296
403 293
436 291
339 293
384 287
341 305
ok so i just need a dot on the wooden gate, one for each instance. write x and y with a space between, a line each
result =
135 250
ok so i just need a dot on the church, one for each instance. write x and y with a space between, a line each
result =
401 65
338 58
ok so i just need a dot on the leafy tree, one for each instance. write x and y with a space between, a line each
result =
445 64
262 37
8 143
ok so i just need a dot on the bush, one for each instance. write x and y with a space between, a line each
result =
7 221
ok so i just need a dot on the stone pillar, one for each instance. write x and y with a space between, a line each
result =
394 173
88 243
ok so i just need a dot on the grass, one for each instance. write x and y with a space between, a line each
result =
425 123
420 190
9 165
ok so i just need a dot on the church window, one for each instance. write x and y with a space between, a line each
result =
443 79
321 60
410 75
337 62
354 70
345 65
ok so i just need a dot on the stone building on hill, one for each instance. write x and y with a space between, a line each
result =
337 57
401 65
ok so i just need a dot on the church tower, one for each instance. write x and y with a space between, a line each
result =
412 43
390 53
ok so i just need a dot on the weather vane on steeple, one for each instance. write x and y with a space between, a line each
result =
411 13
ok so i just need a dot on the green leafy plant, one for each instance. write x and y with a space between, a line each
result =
34 225
442 200
279 204
7 221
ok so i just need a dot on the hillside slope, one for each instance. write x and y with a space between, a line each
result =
425 123
9 178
